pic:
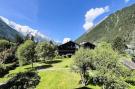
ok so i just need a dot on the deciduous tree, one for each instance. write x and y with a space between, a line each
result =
26 52
45 51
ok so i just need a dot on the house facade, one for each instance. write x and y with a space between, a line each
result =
68 48
87 45
71 47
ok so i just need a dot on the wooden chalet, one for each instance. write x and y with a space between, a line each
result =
87 45
68 48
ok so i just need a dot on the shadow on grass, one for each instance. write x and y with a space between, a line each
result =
83 88
49 62
5 71
54 61
40 67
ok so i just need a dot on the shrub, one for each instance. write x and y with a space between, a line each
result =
99 80
4 69
115 84
109 67
133 59
26 52
59 57
106 62
27 80
131 79
4 44
119 44
7 51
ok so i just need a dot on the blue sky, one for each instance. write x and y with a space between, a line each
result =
60 19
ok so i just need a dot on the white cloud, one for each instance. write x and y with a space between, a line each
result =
92 14
65 40
25 30
126 1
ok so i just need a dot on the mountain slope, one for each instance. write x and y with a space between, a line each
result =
7 32
24 30
121 23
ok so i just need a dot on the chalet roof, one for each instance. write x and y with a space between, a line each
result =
129 64
82 43
85 43
70 42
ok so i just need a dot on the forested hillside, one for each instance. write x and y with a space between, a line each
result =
119 24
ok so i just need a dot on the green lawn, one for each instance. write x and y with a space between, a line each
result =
64 63
132 87
61 77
